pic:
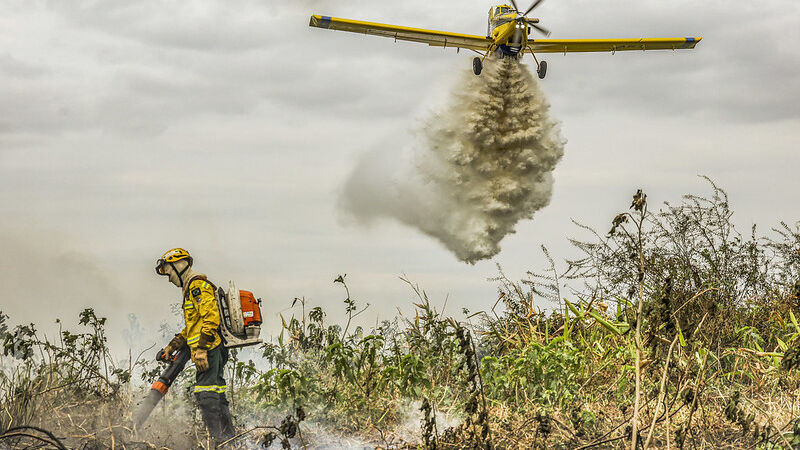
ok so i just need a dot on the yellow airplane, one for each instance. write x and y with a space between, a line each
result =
508 36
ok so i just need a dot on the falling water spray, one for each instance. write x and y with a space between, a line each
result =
481 165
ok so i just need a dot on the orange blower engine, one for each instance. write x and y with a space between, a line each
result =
240 312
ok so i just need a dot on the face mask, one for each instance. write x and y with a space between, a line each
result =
172 272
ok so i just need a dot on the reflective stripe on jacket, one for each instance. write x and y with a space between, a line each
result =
201 315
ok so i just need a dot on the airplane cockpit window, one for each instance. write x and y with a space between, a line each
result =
496 11
505 10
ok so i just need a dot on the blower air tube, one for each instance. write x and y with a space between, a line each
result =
161 386
146 407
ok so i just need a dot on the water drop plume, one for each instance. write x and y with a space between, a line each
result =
479 166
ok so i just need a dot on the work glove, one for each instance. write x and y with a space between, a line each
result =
200 359
163 355
175 344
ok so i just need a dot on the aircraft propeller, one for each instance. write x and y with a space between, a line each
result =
531 22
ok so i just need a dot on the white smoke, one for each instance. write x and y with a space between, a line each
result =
482 164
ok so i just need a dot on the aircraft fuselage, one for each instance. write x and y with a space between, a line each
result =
508 29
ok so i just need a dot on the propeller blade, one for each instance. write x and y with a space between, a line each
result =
533 6
513 3
541 29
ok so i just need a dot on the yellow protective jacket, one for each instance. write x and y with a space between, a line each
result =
201 314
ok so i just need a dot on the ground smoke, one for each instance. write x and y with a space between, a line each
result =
481 165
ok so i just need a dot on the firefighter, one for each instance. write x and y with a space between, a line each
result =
201 334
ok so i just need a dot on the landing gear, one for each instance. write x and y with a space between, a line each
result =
541 67
477 65
542 70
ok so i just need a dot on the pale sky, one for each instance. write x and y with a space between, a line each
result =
229 128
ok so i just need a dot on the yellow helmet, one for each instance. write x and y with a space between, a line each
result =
171 257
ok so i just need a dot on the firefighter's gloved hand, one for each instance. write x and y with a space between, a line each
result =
175 344
165 354
200 359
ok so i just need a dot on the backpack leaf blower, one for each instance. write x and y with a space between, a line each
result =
240 317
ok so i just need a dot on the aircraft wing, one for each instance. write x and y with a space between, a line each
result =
430 37
610 45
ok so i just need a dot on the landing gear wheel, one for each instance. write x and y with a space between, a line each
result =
542 71
477 65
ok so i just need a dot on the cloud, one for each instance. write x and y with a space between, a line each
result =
741 71
143 66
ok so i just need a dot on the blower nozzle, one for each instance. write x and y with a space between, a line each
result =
159 389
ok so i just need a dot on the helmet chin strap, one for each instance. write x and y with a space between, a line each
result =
180 273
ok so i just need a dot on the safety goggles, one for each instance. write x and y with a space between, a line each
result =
160 265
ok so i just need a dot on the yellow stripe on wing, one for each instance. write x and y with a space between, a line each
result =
430 37
611 45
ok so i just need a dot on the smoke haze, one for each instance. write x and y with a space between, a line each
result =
42 277
480 165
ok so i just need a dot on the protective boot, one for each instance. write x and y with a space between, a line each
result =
211 411
228 431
